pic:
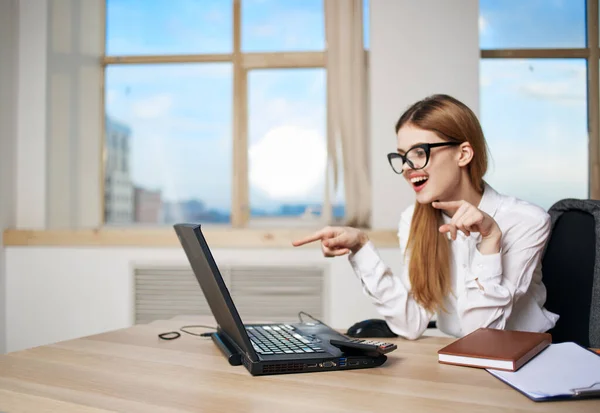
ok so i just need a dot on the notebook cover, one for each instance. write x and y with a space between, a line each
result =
517 347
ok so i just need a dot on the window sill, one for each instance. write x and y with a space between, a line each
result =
165 237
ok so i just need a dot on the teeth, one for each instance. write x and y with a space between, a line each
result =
418 179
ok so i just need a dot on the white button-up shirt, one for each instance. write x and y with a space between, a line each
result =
512 296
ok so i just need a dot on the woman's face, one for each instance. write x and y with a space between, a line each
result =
440 177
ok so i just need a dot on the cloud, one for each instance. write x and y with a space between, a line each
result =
565 85
558 81
483 25
284 28
263 30
216 16
288 162
153 107
562 92
290 105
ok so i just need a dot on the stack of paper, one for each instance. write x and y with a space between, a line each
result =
564 370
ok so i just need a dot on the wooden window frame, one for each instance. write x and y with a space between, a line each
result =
591 53
242 63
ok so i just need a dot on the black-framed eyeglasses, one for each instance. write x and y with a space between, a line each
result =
416 157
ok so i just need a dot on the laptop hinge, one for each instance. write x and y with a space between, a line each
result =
227 348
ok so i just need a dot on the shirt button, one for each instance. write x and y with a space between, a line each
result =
464 265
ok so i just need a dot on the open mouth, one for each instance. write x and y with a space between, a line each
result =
418 182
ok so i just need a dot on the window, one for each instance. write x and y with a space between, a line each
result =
535 97
215 112
178 137
287 149
156 27
283 26
532 24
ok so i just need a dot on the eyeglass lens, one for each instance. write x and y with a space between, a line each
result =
417 158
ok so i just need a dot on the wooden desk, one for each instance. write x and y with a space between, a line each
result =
132 370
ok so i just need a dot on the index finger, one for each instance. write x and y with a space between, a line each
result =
447 205
319 235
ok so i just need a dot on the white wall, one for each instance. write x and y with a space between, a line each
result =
8 76
62 293
31 115
417 48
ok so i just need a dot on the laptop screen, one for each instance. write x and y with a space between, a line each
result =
212 284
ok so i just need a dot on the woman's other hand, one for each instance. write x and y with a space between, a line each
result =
468 218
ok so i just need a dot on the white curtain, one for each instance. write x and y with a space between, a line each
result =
347 118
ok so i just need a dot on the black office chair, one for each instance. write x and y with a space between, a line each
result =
571 271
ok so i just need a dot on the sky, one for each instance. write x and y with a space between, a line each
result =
533 112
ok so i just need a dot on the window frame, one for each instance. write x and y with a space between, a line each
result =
591 52
242 63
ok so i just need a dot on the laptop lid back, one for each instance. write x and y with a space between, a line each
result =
212 285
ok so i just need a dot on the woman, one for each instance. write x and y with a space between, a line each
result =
471 255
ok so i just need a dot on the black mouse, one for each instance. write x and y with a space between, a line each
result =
370 328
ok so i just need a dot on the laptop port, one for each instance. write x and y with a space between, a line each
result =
353 363
311 365
327 364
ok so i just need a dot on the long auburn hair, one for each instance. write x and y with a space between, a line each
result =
429 267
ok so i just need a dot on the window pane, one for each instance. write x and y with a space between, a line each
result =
520 24
146 27
283 25
168 143
534 115
287 146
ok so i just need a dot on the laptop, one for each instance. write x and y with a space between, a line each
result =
264 349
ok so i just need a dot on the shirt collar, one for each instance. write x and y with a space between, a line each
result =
490 201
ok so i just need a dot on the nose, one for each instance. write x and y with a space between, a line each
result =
405 167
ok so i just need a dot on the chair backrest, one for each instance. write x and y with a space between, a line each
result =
571 271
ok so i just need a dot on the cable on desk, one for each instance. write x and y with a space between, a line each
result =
172 335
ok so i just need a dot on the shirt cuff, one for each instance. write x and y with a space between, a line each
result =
485 267
365 260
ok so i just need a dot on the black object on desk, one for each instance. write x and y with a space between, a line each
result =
368 347
370 328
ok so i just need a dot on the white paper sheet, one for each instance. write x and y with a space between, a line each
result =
560 370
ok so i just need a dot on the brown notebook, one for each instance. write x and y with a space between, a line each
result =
495 349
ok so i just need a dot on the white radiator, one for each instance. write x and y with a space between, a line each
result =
274 293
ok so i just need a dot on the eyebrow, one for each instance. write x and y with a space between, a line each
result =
416 144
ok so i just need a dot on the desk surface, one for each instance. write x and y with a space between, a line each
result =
132 370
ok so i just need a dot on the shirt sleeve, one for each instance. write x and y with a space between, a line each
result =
391 293
494 282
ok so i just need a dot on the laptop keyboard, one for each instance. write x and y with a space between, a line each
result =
281 339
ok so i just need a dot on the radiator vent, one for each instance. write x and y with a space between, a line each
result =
283 368
274 293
